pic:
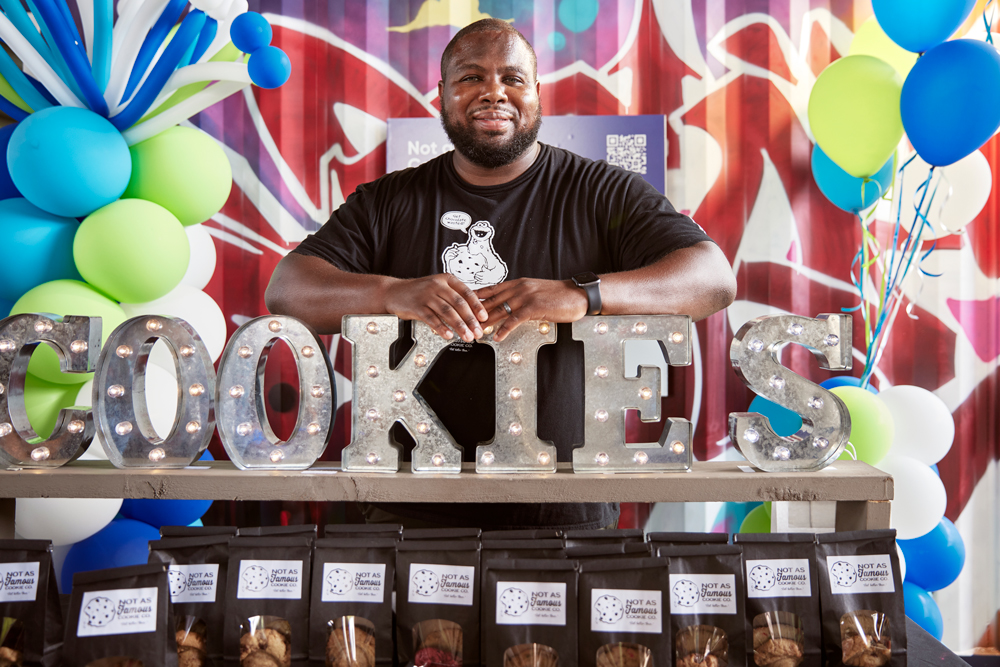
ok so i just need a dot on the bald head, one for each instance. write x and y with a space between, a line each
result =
496 26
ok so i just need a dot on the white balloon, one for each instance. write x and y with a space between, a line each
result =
63 520
195 307
920 499
902 563
925 427
203 257
970 181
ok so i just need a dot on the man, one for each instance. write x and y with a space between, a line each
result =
541 216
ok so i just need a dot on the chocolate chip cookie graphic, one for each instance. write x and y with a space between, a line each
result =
762 578
609 608
514 601
178 582
339 581
255 578
424 582
843 574
99 612
686 593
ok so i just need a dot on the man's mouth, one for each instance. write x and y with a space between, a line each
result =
492 120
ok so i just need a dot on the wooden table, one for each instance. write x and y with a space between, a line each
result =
862 493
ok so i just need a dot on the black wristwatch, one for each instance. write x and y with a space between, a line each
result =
590 284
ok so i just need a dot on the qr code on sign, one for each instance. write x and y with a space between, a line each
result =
628 151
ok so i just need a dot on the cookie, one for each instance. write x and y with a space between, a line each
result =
843 573
686 593
99 612
609 608
355 649
514 601
255 578
424 582
339 581
178 582
530 655
762 578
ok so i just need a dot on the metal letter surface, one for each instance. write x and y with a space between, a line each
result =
239 399
120 410
383 396
826 424
515 446
77 342
609 394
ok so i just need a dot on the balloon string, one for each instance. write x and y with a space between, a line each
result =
988 23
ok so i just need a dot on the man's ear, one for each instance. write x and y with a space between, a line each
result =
440 89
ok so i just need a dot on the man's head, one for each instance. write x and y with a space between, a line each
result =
489 93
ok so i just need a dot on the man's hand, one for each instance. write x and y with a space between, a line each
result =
443 301
531 299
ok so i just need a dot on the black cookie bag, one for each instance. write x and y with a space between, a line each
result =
30 598
363 531
120 617
308 529
707 618
447 534
579 538
624 618
196 531
678 539
782 601
522 534
861 596
351 602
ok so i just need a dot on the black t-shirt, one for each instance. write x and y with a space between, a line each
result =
565 215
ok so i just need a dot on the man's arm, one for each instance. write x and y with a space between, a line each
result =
318 293
695 281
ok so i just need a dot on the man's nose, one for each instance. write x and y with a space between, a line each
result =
494 91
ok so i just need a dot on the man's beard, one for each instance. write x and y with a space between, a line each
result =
483 154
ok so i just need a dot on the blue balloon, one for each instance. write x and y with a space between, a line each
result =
934 467
152 43
269 67
784 422
122 542
919 25
68 161
922 609
7 187
845 381
37 247
845 191
196 524
159 513
934 560
950 102
250 31
5 308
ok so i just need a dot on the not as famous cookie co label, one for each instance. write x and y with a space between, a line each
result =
702 594
614 610
860 574
778 578
18 582
353 582
193 583
123 611
431 583
270 580
531 603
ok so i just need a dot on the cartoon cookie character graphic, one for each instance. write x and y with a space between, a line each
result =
686 593
843 574
609 609
762 578
178 582
255 578
514 601
339 581
424 582
475 262
99 612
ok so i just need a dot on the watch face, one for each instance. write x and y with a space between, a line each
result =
585 278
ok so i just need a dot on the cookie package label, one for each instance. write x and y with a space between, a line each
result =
18 582
353 582
860 574
270 580
193 583
531 603
124 611
431 583
702 594
778 578
615 610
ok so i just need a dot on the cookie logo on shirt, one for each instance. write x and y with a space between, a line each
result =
475 262
762 578
99 612
686 593
514 601
425 582
178 582
844 574
255 578
609 609
339 581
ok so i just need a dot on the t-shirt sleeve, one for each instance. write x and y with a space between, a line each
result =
348 239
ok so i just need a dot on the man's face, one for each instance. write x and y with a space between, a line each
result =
489 99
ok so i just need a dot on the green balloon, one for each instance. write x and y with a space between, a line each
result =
871 40
43 401
872 426
132 250
854 113
757 520
184 171
66 297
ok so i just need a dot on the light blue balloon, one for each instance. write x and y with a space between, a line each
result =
845 381
578 15
37 248
68 161
5 308
557 41
920 25
845 191
784 422
950 104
